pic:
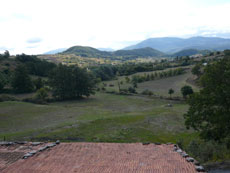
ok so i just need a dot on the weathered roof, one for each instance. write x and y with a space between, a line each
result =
100 158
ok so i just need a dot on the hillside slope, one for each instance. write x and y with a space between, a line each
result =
92 52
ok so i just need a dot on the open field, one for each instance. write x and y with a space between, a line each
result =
159 87
103 117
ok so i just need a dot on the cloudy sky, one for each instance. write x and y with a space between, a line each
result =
37 26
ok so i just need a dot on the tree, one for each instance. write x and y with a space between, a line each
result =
38 83
171 91
186 90
209 109
71 82
196 70
21 81
6 54
2 82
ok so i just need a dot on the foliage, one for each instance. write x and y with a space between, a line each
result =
21 81
155 76
132 90
196 70
38 83
186 90
34 65
2 81
209 109
170 92
42 94
71 82
147 92
205 151
6 54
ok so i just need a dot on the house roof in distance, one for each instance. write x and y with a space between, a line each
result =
101 158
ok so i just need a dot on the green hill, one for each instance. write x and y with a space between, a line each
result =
95 53
84 51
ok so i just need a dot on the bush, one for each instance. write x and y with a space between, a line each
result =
41 94
147 92
4 97
132 90
206 151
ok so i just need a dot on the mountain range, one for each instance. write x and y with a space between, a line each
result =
154 47
172 45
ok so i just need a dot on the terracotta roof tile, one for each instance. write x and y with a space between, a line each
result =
104 157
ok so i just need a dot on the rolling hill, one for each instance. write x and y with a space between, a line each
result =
92 52
84 51
172 44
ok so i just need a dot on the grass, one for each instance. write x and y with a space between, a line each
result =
159 87
103 117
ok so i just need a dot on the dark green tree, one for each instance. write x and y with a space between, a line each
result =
196 70
209 110
2 82
38 83
170 92
21 81
71 82
186 90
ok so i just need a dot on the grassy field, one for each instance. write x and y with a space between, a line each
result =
103 117
159 87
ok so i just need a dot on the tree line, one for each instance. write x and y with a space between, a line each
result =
156 75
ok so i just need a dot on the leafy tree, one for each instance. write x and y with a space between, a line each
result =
71 82
196 70
2 81
6 54
38 83
209 109
21 81
186 90
170 92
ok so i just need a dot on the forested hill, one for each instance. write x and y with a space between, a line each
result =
84 51
92 52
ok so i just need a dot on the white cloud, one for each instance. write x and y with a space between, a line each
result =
105 23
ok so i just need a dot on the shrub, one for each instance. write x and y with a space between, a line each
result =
147 92
41 94
132 90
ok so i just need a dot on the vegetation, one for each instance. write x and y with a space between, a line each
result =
186 91
170 92
2 81
21 81
209 108
71 82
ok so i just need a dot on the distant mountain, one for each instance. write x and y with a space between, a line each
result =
173 44
189 52
143 52
92 52
55 51
106 49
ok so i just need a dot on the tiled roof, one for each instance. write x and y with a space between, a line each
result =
103 157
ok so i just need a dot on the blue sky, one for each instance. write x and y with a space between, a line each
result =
33 27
